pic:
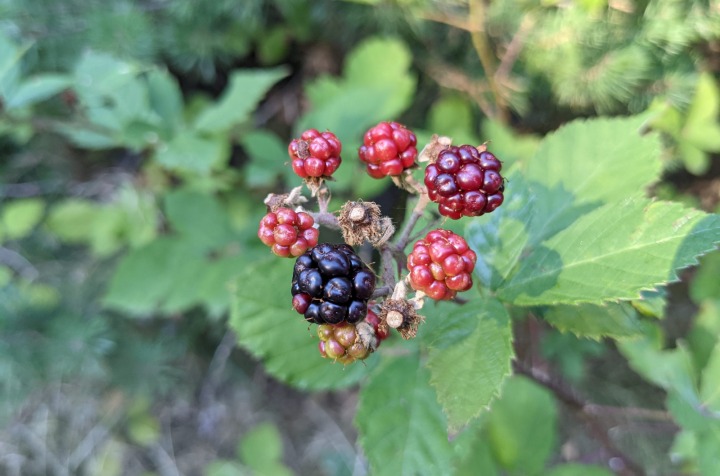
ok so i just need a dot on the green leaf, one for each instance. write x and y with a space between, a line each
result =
187 152
521 426
452 116
186 292
468 374
705 333
401 425
652 303
615 320
573 469
6 275
588 163
144 430
708 449
268 327
260 445
72 219
10 56
696 161
146 275
576 170
268 159
165 99
226 468
19 217
508 145
499 242
479 459
672 370
710 382
705 104
245 90
614 252
261 450
705 284
705 137
214 283
199 217
98 74
36 89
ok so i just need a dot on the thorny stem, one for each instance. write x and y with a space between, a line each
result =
585 411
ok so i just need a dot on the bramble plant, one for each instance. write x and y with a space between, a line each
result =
511 318
577 242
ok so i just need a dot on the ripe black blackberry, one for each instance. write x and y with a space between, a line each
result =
330 284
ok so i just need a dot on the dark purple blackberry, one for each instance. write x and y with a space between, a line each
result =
465 182
331 284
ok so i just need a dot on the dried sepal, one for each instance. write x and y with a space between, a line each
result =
289 200
436 145
361 221
400 314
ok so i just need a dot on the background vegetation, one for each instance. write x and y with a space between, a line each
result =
139 137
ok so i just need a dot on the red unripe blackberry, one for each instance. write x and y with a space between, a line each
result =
441 264
288 233
315 154
388 149
465 182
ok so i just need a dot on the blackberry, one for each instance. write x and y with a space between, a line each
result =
315 154
441 264
388 149
330 284
288 233
465 182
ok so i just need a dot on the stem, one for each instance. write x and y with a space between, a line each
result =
323 198
382 292
513 50
452 21
417 213
585 411
487 57
326 219
388 267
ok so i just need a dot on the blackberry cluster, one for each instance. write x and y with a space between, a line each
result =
465 182
441 264
287 232
388 149
315 154
347 342
330 284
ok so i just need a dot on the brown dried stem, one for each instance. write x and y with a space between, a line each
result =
585 411
481 43
514 49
